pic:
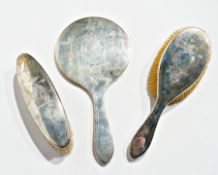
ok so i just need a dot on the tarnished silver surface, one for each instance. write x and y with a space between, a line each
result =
182 64
43 102
93 52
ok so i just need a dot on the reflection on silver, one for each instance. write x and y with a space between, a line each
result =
43 103
93 52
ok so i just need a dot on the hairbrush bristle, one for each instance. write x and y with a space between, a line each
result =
67 149
153 74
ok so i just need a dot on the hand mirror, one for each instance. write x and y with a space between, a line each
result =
93 52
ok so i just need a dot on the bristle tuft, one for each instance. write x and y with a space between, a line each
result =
67 149
153 74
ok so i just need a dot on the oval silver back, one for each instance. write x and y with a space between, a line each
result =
42 101
183 62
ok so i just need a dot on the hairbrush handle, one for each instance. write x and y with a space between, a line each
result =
103 147
143 137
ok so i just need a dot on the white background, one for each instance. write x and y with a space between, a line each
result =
186 140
